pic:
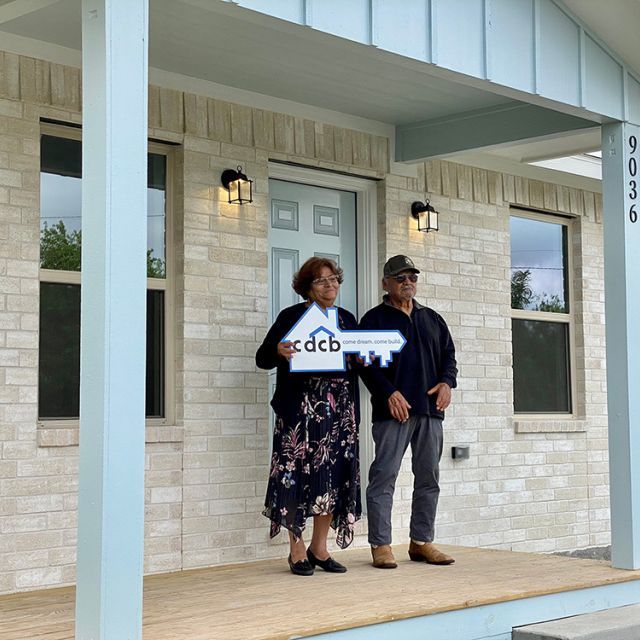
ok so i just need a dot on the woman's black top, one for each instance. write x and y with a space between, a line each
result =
289 385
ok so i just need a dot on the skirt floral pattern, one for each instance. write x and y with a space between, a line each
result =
315 462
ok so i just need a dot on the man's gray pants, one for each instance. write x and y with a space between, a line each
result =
391 439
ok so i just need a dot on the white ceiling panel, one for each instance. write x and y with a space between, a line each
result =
276 59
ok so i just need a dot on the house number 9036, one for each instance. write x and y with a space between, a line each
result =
633 183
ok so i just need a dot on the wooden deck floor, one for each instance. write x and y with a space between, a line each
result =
262 600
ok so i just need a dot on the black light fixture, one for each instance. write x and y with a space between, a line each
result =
240 188
426 216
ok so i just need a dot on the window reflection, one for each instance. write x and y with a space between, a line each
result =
59 354
60 203
59 364
541 367
538 265
155 371
60 249
61 206
156 201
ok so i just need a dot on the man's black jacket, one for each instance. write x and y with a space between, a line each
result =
427 358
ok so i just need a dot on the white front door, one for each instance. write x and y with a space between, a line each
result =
293 239
308 221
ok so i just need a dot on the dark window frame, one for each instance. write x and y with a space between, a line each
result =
555 317
162 285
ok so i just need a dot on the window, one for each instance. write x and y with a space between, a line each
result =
60 249
541 315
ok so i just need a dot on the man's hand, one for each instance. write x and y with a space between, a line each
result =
398 406
443 399
286 350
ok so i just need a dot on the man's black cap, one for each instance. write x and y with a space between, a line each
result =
398 264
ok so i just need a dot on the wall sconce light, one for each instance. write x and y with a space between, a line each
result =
240 188
426 216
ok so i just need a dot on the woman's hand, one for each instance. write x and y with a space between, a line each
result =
286 350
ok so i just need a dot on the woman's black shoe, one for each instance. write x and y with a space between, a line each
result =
329 565
300 568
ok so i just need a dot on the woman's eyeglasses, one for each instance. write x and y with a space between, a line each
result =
412 277
326 282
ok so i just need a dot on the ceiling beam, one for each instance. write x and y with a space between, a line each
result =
481 129
18 8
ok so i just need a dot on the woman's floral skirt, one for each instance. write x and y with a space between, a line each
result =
315 463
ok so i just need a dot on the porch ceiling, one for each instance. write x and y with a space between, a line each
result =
223 43
226 44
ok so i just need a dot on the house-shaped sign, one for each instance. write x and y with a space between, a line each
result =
321 345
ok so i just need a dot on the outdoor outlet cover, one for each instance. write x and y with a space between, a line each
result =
460 452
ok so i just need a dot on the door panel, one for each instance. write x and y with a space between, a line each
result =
284 263
309 221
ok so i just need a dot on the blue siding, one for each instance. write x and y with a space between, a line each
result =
350 20
559 55
604 81
409 17
510 28
530 46
459 36
290 10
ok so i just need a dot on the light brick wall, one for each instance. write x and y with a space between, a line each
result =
226 401
206 472
537 487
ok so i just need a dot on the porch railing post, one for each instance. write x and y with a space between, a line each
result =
621 191
113 318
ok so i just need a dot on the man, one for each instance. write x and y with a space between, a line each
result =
408 398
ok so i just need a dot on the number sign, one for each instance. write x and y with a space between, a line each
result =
632 177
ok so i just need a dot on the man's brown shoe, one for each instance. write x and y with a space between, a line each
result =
383 557
428 553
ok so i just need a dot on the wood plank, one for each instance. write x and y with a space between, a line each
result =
262 600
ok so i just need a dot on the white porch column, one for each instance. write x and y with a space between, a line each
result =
621 190
112 368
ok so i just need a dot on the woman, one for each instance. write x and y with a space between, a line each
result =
314 466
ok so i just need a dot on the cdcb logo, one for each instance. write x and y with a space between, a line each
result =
326 345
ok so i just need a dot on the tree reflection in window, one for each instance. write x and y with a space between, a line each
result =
541 342
60 293
538 265
61 249
61 204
